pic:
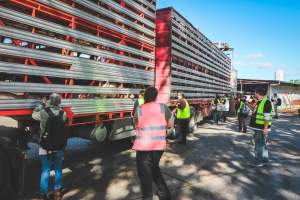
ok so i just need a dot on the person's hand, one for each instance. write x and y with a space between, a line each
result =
174 111
266 131
44 100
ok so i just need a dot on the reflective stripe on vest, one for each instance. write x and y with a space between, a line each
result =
151 138
185 113
141 101
260 118
151 129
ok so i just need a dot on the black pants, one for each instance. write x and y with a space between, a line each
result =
148 170
183 128
225 115
242 123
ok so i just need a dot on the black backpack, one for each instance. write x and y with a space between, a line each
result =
54 138
278 102
245 109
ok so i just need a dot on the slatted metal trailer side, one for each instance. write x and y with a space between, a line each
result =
188 62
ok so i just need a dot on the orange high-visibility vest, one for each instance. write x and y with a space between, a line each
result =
151 129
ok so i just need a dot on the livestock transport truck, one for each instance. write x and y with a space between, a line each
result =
98 55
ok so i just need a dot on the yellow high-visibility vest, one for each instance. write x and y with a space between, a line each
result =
141 101
260 119
185 113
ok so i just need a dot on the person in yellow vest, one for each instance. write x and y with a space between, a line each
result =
215 103
243 111
151 122
261 122
139 101
183 117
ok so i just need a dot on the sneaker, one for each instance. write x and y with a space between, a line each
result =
257 164
265 161
43 197
182 142
57 195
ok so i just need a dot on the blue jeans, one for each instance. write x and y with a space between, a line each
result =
261 151
56 159
216 116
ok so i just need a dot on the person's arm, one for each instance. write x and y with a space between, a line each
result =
267 116
169 117
136 104
36 114
65 116
182 104
135 119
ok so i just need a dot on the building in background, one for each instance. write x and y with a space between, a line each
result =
287 91
279 75
233 81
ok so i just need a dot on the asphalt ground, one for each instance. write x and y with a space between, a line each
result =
215 164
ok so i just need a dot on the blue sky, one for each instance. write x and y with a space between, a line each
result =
264 33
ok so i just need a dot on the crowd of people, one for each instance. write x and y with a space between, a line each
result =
151 121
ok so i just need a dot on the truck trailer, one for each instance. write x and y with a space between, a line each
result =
98 55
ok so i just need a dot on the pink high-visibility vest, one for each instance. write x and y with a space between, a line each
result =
152 128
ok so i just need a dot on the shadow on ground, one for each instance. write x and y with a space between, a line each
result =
214 165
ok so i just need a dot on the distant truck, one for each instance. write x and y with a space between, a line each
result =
98 56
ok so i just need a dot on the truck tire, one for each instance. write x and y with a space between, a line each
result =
5 177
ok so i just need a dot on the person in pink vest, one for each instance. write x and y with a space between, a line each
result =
151 122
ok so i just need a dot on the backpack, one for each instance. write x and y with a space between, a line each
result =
245 109
278 102
54 138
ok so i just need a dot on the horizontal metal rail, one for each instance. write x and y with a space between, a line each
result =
78 64
193 100
48 41
147 3
197 73
194 83
193 41
198 42
86 106
141 8
26 36
79 73
180 55
201 37
197 53
193 95
182 88
113 15
180 29
49 26
208 64
76 12
19 87
128 12
184 75
53 57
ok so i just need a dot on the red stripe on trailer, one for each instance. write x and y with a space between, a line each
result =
163 55
68 17
15 112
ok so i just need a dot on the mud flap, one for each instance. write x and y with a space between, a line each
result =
120 129
99 133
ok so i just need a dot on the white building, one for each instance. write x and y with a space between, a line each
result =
279 75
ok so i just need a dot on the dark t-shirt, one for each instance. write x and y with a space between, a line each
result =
267 109
136 104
